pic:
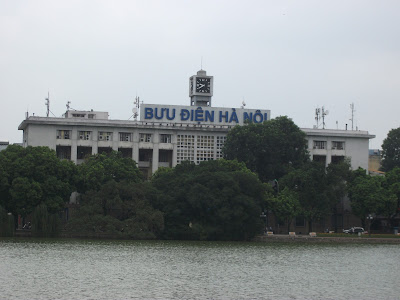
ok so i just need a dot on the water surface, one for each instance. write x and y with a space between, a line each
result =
93 269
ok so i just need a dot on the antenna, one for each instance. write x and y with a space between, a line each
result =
243 104
324 113
136 107
317 115
48 104
68 103
201 63
320 113
352 114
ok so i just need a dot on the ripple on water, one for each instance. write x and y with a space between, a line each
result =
80 269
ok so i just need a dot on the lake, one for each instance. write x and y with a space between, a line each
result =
109 269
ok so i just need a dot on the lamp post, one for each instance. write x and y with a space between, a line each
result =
264 216
369 218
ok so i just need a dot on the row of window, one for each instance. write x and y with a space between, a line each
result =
323 145
64 152
108 136
205 145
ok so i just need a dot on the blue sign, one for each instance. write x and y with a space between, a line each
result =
206 115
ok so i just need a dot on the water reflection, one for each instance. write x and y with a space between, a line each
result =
92 269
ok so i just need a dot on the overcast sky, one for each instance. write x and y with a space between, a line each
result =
287 56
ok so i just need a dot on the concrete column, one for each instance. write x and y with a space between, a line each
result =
115 140
95 145
174 152
155 158
74 151
135 152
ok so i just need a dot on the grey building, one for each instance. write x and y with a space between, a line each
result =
166 135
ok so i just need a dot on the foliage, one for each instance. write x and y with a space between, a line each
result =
34 175
45 224
368 195
310 183
216 200
6 223
121 209
270 149
98 169
393 184
391 150
286 206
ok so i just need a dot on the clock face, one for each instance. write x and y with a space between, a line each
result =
203 85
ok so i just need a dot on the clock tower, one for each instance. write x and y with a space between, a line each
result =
201 89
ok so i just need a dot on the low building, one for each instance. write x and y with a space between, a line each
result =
3 145
166 135
169 134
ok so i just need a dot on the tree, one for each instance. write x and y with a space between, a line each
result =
286 206
368 195
98 169
121 209
34 175
391 150
393 183
310 183
338 174
270 149
216 200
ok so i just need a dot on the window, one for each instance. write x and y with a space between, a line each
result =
205 148
145 137
337 145
125 137
78 115
105 136
64 134
185 148
220 144
165 138
90 116
63 152
82 152
85 135
319 145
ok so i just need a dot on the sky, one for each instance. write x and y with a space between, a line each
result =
290 57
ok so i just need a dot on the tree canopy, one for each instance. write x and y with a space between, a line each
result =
34 175
391 150
98 169
216 200
372 195
270 149
122 209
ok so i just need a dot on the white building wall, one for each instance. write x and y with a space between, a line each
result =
39 131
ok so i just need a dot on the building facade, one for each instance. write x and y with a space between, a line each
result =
166 135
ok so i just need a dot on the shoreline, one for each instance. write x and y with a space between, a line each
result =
325 239
276 238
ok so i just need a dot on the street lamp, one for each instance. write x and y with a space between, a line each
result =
264 216
369 218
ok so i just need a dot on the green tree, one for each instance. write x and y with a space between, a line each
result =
270 149
338 174
368 195
98 169
121 209
391 150
216 200
310 183
286 206
393 183
34 175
